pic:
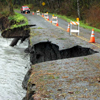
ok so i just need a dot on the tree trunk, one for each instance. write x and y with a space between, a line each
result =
16 2
58 3
14 42
48 4
78 9
10 4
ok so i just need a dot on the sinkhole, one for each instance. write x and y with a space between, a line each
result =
47 51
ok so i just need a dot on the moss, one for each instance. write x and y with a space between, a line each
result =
18 19
61 38
40 28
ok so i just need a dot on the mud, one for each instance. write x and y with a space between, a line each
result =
24 83
47 51
18 32
5 23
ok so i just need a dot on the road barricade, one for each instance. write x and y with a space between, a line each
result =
46 15
74 30
54 20
38 12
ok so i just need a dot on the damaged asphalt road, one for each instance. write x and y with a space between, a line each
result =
72 78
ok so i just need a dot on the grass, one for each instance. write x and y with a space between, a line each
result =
39 28
61 38
85 58
68 19
82 24
18 18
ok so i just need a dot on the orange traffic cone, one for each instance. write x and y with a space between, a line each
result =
33 13
68 29
57 23
51 20
25 12
92 38
48 18
42 15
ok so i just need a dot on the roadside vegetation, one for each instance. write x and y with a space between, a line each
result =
13 19
82 23
19 20
88 11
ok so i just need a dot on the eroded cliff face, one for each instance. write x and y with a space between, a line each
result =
17 33
4 23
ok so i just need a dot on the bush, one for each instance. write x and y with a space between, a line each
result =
18 18
93 16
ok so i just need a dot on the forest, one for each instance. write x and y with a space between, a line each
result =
87 10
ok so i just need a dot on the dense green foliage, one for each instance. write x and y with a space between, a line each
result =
19 20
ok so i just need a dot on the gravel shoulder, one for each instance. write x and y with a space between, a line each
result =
66 79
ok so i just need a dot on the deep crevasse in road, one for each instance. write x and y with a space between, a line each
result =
14 64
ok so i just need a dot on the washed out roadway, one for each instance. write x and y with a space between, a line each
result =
66 79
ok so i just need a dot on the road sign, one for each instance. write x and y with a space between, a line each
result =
43 3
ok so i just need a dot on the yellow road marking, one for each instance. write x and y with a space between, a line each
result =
82 38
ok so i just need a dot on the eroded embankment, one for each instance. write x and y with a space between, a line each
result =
18 33
13 66
46 51
41 52
4 23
